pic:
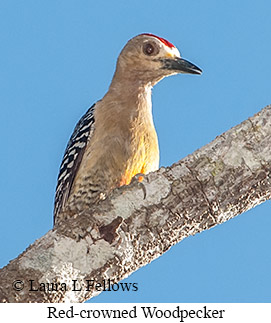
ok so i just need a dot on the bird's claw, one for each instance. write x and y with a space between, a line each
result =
138 178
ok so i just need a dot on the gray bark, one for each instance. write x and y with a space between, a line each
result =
128 230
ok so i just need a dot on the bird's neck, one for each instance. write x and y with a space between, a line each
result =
129 86
131 98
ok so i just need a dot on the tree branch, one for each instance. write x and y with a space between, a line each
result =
126 231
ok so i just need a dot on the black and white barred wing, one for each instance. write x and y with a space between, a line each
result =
72 159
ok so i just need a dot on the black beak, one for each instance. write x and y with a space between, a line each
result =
180 65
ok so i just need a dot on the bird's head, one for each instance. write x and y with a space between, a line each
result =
150 58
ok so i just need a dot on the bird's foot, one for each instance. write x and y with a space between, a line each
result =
138 179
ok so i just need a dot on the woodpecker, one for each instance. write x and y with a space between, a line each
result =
116 138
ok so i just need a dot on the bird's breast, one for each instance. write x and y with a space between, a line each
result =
124 143
142 153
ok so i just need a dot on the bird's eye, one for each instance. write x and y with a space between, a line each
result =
149 49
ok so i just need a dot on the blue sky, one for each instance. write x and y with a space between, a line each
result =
58 57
